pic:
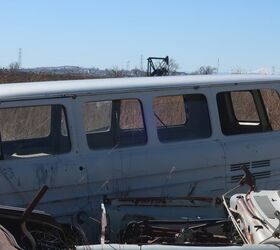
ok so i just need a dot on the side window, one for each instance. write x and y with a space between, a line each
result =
33 131
131 115
116 123
97 116
271 101
25 123
182 117
170 111
249 111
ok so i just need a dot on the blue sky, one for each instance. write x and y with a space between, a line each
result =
106 33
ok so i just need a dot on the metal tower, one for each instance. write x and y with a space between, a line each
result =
158 66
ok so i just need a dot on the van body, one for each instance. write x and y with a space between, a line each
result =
136 137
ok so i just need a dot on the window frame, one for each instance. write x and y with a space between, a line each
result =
88 99
184 93
261 111
65 102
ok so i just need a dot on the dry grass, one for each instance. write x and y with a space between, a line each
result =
7 76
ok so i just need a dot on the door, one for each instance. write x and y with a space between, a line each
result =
188 160
114 143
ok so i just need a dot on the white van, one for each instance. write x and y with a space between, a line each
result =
136 137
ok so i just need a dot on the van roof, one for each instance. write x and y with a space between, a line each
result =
46 89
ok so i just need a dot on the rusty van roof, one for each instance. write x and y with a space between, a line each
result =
50 89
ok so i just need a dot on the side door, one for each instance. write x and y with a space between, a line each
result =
249 121
37 148
114 143
185 158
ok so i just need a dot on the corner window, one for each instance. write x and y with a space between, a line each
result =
249 111
33 131
181 117
115 123
271 102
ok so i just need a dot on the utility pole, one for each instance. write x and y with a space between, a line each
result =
128 65
19 57
141 62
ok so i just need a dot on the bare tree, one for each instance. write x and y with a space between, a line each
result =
238 70
14 66
137 72
173 66
205 70
116 72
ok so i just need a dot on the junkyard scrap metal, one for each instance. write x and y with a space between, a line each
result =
253 223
